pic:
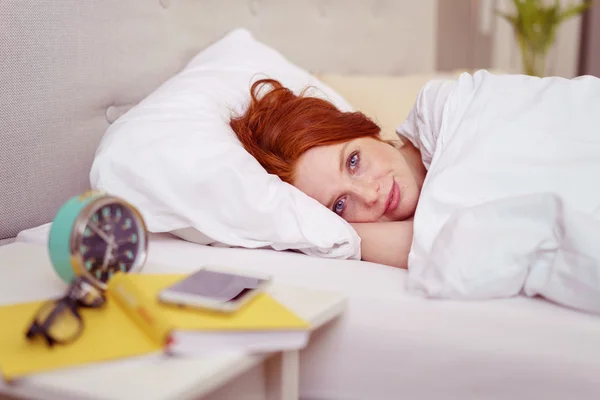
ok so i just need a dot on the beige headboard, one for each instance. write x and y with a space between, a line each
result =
68 68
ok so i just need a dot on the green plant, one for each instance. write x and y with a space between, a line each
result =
535 25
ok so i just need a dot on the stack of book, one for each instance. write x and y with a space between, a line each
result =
115 332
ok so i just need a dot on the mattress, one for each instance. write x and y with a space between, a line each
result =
390 344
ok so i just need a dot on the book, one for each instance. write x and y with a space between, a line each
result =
120 330
263 325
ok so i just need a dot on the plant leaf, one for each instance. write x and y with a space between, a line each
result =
510 18
573 10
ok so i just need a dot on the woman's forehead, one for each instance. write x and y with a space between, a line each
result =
317 170
318 160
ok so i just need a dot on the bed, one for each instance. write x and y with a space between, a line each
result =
72 68
390 344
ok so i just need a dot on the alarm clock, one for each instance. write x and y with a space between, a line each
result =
96 235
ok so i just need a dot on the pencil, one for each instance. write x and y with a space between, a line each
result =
140 308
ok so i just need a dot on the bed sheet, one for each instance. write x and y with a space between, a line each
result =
390 344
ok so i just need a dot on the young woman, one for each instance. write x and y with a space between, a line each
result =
339 159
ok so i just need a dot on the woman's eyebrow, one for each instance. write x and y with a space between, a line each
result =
343 157
343 149
332 201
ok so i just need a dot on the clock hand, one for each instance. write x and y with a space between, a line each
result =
99 232
106 257
109 253
113 242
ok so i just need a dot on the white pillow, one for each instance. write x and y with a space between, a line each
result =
175 157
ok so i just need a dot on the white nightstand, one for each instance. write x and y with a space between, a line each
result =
26 274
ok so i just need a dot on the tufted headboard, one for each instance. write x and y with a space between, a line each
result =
68 68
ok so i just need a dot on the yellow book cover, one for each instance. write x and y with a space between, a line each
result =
112 333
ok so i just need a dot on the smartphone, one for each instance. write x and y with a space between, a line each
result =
214 290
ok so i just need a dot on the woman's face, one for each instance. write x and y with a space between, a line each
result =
363 180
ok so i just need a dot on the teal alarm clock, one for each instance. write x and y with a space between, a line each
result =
95 235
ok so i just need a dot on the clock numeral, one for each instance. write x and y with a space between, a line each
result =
106 212
87 233
129 254
118 214
134 238
122 266
127 224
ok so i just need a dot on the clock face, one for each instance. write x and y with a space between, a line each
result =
111 242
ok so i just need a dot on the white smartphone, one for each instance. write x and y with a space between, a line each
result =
214 290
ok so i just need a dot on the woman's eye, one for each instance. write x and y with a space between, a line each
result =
338 207
353 161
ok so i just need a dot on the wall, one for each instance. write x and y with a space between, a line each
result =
461 44
590 46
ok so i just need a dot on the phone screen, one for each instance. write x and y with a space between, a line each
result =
218 286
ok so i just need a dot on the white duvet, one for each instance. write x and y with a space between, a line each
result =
511 202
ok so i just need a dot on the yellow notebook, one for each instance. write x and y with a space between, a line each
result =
112 333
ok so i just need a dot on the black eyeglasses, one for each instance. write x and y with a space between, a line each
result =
59 321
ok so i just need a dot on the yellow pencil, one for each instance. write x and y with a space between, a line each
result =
140 308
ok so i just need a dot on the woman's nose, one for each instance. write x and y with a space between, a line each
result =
369 192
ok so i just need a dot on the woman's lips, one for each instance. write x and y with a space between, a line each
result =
393 198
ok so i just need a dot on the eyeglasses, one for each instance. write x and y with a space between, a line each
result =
59 321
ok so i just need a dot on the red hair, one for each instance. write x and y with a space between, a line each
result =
279 126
